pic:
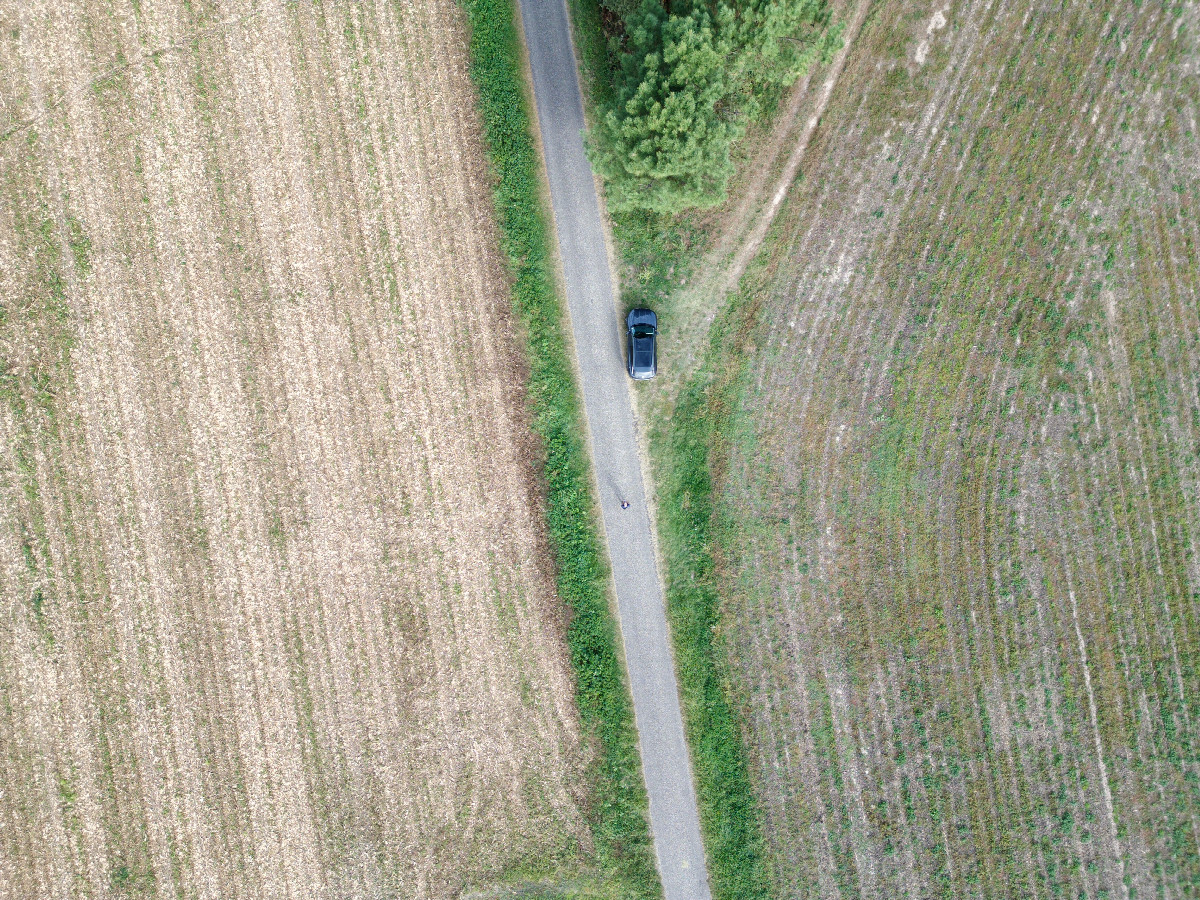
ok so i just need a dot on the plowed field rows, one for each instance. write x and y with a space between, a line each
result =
277 616
963 487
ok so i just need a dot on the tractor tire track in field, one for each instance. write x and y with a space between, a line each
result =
284 621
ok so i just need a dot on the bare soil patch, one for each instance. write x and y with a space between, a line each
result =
279 620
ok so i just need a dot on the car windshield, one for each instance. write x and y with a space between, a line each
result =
643 331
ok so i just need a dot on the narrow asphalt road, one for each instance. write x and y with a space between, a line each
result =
598 340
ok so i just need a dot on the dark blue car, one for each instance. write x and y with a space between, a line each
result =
641 330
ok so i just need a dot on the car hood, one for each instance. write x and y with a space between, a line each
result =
641 317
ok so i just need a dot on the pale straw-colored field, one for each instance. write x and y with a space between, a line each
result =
277 615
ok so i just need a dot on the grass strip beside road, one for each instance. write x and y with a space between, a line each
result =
688 449
617 813
596 63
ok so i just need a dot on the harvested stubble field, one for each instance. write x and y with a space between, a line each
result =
959 500
277 618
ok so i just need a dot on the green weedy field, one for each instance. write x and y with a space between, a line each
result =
958 499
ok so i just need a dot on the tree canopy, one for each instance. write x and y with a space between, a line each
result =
690 78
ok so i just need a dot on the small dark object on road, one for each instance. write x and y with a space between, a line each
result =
624 504
641 330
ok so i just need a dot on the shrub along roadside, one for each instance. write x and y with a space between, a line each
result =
617 815
654 249
689 450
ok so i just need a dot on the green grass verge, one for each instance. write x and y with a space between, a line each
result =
598 63
689 450
617 813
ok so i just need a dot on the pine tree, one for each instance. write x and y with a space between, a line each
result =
776 40
665 147
690 79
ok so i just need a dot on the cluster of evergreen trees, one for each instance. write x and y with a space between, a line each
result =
691 76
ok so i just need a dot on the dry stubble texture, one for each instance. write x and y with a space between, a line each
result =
277 620
966 475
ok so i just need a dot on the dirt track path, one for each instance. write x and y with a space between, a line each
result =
284 622
743 230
